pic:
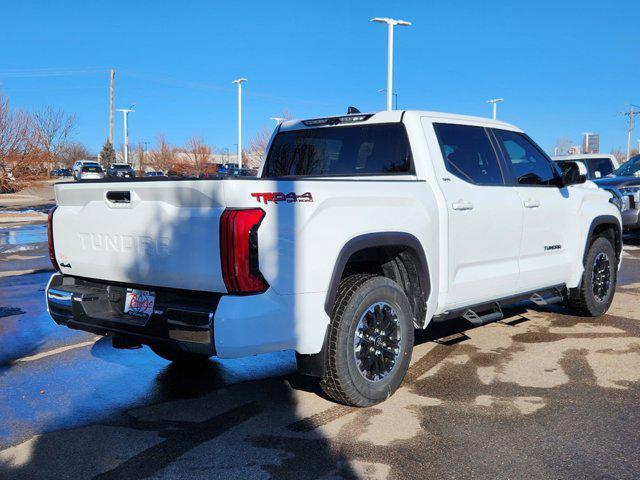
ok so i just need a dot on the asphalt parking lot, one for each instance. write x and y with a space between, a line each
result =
539 394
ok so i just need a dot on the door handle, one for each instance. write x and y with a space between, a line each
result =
462 205
531 203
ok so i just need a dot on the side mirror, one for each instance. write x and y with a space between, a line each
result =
573 173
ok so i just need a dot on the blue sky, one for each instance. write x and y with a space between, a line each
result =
564 67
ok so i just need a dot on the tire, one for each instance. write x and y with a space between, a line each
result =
598 284
353 376
179 356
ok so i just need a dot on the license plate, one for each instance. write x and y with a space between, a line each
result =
139 303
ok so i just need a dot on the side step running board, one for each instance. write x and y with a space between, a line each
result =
482 313
542 301
485 317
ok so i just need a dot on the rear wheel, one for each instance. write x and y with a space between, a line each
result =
595 294
179 356
370 341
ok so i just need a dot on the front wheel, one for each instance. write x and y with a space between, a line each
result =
370 341
594 295
179 356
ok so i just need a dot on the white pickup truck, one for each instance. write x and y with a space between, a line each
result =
358 229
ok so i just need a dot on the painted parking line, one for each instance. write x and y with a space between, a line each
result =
56 351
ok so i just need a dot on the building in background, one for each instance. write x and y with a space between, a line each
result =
590 142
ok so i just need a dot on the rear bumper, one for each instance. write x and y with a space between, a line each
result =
184 319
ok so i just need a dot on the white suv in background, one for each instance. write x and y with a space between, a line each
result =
77 167
598 164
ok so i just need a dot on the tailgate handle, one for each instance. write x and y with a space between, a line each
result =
119 197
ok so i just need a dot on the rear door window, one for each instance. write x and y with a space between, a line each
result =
468 153
381 149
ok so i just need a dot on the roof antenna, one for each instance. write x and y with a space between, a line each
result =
352 110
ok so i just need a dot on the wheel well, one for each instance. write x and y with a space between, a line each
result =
399 263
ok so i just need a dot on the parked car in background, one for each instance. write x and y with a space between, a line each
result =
222 169
241 172
61 172
90 171
77 166
154 174
626 180
359 229
121 170
598 164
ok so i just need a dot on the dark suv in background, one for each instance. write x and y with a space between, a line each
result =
121 170
626 179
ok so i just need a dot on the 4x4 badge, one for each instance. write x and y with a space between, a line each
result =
276 197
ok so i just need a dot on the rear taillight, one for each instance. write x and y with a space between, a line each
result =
52 253
239 251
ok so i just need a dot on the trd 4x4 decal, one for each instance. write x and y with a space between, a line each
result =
276 197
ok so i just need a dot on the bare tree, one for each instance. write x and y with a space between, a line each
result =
17 148
141 156
252 156
53 129
73 151
199 155
163 156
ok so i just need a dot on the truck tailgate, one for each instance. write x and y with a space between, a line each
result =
163 234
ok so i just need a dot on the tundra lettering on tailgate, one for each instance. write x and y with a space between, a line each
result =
276 197
105 242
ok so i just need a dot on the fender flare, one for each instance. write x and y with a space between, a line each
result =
602 220
373 240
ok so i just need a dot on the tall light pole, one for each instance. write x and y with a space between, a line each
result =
278 120
239 82
125 113
495 102
391 22
384 90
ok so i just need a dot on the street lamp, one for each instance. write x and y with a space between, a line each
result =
278 120
125 114
390 23
239 82
384 90
495 102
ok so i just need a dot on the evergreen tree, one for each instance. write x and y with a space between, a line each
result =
108 154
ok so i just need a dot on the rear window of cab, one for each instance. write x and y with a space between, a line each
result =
378 149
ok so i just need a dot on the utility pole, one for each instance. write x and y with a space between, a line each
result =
239 82
112 77
391 22
125 114
630 113
495 102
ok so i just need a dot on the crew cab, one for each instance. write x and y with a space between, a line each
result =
358 229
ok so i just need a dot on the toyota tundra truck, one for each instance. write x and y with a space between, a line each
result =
358 229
